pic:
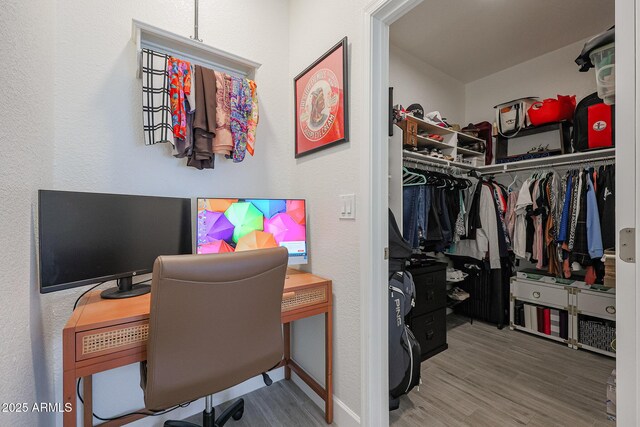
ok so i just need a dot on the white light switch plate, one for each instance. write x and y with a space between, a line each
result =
347 206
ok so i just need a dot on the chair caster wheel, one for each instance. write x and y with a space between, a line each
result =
239 413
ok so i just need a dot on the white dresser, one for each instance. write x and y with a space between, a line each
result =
591 311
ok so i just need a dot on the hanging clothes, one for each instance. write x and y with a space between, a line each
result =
253 118
241 114
156 105
201 112
179 87
204 119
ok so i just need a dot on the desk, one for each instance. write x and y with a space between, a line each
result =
106 334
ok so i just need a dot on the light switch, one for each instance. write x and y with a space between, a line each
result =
347 206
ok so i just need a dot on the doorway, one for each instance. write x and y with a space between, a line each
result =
379 17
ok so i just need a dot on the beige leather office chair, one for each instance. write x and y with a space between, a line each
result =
214 323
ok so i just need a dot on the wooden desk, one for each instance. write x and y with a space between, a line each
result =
106 334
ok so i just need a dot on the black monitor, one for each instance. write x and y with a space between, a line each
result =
89 238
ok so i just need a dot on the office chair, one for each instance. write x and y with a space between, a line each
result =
214 323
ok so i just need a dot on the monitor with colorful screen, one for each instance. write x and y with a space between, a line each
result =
232 225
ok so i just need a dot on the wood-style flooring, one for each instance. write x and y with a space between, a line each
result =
490 377
487 377
282 404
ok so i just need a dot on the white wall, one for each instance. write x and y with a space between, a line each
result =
336 244
546 76
25 166
415 81
73 122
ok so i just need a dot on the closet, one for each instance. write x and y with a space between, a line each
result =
524 223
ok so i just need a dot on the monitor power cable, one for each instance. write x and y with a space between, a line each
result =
75 305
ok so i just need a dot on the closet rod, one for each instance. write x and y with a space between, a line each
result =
603 160
424 165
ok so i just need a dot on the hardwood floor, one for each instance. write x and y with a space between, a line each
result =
282 404
490 377
487 377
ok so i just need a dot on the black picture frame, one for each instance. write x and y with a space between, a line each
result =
345 108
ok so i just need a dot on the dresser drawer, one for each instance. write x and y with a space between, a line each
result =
540 294
99 342
431 293
430 330
294 300
597 304
431 288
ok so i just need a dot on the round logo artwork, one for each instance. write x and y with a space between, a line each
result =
319 104
600 125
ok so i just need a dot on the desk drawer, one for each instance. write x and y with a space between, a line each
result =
603 306
540 294
303 298
98 342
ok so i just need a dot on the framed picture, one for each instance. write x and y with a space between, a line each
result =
322 100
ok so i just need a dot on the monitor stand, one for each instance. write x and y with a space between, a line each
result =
125 289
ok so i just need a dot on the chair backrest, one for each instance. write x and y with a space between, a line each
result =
214 323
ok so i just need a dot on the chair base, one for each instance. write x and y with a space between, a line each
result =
235 411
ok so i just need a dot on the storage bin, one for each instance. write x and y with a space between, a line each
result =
596 333
604 61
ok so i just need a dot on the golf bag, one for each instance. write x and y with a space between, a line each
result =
404 349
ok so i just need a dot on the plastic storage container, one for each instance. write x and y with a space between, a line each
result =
604 61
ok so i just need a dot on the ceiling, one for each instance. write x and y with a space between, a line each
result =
471 39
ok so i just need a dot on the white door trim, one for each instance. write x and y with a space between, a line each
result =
375 379
627 208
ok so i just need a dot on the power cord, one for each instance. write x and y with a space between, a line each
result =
150 414
85 292
95 286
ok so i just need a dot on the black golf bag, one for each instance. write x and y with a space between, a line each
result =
404 349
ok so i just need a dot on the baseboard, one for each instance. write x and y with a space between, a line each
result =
343 415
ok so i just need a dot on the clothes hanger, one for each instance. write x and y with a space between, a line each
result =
411 178
514 181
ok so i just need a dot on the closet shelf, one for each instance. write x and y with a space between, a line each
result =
439 130
467 152
159 40
433 161
423 141
551 161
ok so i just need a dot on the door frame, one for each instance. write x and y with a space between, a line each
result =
375 379
627 159
379 15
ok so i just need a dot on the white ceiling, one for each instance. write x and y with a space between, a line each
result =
471 39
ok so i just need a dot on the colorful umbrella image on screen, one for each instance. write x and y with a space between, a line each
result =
245 218
284 228
269 207
213 226
256 240
295 209
214 247
215 205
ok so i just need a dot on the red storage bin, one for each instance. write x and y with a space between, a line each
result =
552 110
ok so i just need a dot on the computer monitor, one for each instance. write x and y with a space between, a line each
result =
89 238
232 225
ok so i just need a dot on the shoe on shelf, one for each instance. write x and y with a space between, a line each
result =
454 275
458 294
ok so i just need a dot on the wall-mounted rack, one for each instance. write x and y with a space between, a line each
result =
159 40
606 154
565 160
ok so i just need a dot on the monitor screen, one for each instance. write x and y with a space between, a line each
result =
230 225
91 237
